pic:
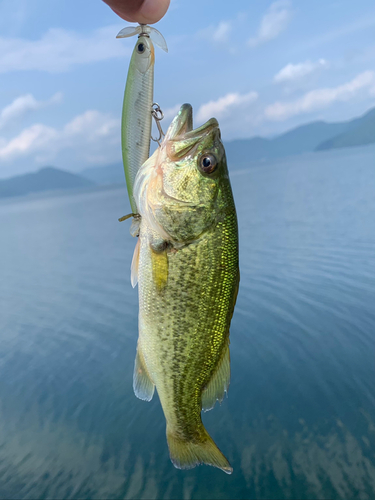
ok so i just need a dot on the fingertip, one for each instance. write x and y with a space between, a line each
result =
124 16
126 9
152 11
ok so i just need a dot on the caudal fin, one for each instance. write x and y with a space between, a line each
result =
187 454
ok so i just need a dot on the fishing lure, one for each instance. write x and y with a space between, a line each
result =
138 109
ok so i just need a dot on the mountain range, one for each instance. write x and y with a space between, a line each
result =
359 132
316 136
46 179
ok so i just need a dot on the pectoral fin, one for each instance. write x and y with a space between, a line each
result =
159 268
135 263
142 383
218 384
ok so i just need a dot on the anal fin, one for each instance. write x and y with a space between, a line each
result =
218 384
142 384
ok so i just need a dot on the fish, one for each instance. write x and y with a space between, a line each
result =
186 265
138 101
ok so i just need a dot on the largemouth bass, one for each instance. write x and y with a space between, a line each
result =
186 264
138 100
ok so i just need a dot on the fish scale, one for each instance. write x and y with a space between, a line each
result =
178 330
188 280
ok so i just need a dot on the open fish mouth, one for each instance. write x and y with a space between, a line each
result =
152 188
182 122
181 139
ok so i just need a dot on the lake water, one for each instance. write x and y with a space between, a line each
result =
299 421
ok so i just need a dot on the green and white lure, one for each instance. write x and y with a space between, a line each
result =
138 108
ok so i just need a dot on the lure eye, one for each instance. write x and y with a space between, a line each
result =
141 48
208 163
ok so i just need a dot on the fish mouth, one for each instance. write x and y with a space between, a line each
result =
151 188
181 139
182 123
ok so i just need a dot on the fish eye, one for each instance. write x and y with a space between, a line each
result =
208 163
141 48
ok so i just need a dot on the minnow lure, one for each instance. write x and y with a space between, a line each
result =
138 102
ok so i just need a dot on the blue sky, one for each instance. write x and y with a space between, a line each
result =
259 67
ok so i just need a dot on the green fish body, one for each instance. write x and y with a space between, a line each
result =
186 265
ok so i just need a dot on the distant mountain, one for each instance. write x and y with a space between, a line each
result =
112 174
46 179
305 138
311 137
361 132
295 141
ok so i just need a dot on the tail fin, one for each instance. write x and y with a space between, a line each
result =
187 454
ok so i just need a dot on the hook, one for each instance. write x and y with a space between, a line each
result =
158 115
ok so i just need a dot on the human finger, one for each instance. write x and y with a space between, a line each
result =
140 11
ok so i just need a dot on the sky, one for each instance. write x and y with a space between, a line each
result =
259 67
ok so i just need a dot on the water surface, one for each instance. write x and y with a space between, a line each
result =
299 421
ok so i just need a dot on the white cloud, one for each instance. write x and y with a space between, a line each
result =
274 22
320 98
217 35
34 138
93 137
224 104
292 72
170 113
59 50
24 104
221 33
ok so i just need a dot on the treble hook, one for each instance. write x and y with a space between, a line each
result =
158 115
